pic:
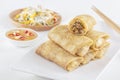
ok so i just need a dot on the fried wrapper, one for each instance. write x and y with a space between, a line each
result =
101 53
99 39
92 54
74 44
51 51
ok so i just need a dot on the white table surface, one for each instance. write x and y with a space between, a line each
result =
9 54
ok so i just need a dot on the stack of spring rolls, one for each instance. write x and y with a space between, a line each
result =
75 44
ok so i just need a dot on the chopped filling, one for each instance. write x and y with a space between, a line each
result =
77 28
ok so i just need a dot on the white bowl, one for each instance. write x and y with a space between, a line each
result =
23 43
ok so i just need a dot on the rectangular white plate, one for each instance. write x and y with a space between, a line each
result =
34 64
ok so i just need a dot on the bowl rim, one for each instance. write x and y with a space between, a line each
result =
37 35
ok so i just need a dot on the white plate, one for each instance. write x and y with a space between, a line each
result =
34 64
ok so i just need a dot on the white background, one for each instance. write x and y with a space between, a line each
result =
9 54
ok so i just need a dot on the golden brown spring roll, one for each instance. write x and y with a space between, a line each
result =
99 39
89 56
81 24
92 54
100 53
75 45
56 54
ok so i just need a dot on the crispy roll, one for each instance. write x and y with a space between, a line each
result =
100 53
74 44
56 54
92 54
89 56
81 24
99 39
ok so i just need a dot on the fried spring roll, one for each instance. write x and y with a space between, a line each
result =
89 56
99 39
81 24
92 54
74 44
56 54
100 53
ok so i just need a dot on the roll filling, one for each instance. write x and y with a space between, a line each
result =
72 65
100 42
81 24
77 28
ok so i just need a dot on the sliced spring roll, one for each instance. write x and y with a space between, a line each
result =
74 44
56 54
99 39
81 24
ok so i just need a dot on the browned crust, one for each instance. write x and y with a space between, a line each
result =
37 28
65 64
